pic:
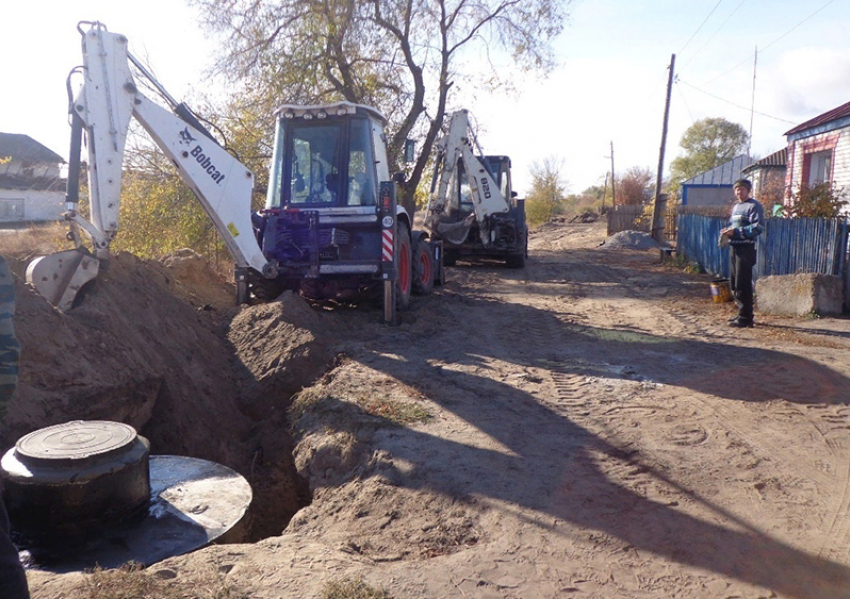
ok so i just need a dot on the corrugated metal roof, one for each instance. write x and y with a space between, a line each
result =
826 117
725 174
26 149
778 158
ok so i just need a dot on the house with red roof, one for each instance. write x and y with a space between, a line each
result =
818 151
31 186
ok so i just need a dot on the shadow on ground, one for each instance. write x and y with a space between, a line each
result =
553 463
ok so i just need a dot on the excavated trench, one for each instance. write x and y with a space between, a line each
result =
160 347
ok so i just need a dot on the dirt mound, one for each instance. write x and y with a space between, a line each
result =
135 351
586 217
630 240
195 281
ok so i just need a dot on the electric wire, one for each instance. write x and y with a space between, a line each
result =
684 101
797 25
750 57
701 26
770 116
716 31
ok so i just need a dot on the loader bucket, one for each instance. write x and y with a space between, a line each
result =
60 276
455 232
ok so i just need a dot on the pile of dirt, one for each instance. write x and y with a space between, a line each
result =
588 216
195 378
630 240
194 280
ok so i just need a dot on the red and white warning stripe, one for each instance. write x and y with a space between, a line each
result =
387 244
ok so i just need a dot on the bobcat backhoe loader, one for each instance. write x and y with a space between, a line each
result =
331 226
472 207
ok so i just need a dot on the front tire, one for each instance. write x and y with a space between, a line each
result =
423 269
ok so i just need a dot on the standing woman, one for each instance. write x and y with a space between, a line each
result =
745 225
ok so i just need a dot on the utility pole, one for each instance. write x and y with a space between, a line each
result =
604 192
659 212
613 179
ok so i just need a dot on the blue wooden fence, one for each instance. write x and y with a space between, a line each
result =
697 241
787 246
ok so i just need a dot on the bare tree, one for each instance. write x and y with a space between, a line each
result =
635 186
402 56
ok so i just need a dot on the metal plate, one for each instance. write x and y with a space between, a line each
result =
74 442
193 503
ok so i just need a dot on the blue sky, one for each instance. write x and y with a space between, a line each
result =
609 86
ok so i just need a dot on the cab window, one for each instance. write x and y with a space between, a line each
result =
315 164
361 166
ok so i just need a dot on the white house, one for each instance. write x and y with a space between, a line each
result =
31 187
819 151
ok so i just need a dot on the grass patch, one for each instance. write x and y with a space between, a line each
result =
403 413
349 588
132 581
682 263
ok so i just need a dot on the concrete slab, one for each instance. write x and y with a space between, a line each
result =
800 295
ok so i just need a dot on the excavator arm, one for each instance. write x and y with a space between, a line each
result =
456 159
102 110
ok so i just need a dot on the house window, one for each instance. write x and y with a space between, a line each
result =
11 209
817 167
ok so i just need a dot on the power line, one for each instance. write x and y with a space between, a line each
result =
700 27
711 37
684 101
735 105
797 25
750 58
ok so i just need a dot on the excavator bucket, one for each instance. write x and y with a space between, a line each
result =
455 232
60 276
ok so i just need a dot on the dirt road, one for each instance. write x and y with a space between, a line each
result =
584 427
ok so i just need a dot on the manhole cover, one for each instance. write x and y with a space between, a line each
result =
88 493
72 442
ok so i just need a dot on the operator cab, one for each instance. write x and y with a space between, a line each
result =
327 156
499 168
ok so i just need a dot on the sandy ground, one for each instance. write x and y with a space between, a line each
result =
585 427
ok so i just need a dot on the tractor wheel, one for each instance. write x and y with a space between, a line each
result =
404 280
423 269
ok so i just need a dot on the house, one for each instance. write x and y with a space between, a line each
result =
768 178
31 188
714 187
819 151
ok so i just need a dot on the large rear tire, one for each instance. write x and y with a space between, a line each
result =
404 280
423 269
518 260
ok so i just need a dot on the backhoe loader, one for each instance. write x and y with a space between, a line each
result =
472 208
331 226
